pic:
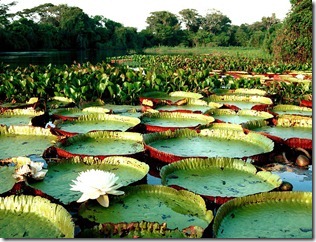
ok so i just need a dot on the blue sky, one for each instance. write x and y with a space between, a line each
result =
133 13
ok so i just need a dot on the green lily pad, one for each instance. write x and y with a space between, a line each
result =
34 217
18 116
194 105
6 179
170 146
240 91
242 102
152 203
218 177
60 102
239 117
23 140
60 174
186 94
292 109
74 113
141 230
287 126
173 120
266 215
154 98
119 109
93 122
101 144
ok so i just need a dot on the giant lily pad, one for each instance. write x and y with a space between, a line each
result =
152 99
60 174
152 203
18 116
240 91
240 116
162 121
93 122
266 215
60 102
34 217
241 102
16 105
218 177
23 140
6 179
192 105
292 109
293 130
74 113
101 144
170 146
140 230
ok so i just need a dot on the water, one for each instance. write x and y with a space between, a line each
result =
68 57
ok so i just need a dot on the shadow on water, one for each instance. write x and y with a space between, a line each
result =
58 58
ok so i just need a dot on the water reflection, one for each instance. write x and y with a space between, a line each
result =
300 178
57 57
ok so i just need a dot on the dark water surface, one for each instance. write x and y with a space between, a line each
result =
57 57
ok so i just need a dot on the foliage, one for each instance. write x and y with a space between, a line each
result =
50 26
293 40
123 84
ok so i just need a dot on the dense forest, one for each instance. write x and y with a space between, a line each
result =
61 27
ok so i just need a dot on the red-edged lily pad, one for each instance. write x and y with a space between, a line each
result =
162 121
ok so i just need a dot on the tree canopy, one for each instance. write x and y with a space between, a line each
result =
59 27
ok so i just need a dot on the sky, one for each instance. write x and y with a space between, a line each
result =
133 13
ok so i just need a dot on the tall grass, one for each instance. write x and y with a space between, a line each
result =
248 52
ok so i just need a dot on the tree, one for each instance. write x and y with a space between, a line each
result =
242 35
4 8
165 27
191 19
215 22
293 42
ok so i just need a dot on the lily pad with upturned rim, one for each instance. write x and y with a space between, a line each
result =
74 113
241 102
220 177
240 91
266 215
141 230
34 217
238 117
292 130
151 203
162 121
155 98
23 140
18 116
192 105
60 174
292 109
170 146
94 122
101 144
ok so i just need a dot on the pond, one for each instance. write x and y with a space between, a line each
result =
68 57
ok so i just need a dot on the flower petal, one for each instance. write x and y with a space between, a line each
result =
84 197
115 192
104 200
39 175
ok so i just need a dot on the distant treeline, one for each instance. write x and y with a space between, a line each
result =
60 27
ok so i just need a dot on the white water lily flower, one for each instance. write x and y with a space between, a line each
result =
50 125
32 169
300 76
38 173
96 184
